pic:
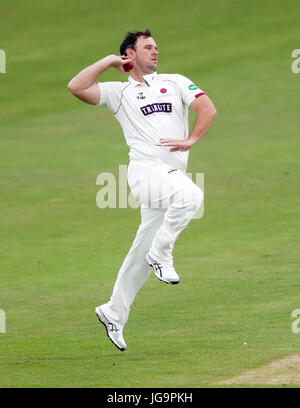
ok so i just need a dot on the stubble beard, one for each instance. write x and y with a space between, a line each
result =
150 69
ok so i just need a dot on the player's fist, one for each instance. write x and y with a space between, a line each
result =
123 64
128 66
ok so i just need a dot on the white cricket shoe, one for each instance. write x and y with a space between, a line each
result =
114 332
163 271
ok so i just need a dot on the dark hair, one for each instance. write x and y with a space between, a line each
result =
130 40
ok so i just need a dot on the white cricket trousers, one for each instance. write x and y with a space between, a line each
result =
169 200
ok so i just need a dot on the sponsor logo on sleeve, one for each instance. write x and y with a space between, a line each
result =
193 87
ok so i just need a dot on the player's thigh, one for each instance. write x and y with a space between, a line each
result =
185 192
160 186
147 184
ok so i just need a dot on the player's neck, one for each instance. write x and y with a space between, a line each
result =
138 75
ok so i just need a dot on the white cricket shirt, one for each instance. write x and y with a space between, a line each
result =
148 112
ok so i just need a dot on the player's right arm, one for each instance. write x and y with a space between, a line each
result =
84 85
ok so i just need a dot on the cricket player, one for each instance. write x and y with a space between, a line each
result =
152 110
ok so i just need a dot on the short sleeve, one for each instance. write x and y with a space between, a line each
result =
189 91
110 95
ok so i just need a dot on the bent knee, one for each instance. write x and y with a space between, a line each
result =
194 199
190 199
198 198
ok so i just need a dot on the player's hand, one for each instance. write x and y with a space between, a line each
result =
177 145
124 64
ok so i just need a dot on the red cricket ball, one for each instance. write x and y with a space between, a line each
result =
127 67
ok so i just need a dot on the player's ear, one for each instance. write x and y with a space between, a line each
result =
130 52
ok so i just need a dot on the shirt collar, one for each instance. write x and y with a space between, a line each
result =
150 78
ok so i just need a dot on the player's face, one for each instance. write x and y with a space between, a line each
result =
146 54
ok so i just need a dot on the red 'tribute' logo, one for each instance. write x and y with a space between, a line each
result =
163 90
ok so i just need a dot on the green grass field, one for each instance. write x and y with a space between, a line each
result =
60 254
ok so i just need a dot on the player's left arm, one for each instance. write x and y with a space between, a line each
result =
205 113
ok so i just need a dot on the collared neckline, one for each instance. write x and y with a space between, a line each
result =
149 78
